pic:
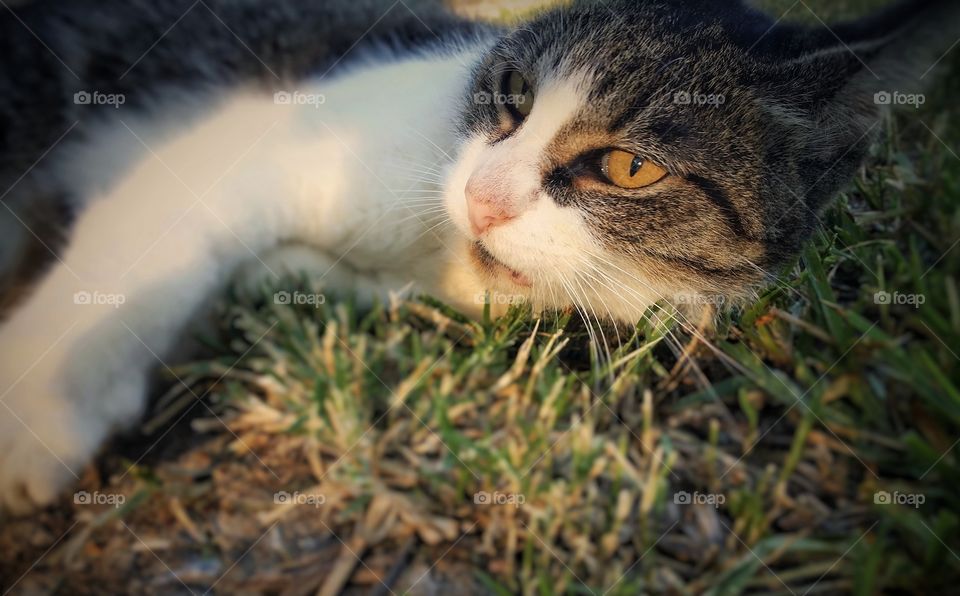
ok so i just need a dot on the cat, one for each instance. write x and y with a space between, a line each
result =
601 156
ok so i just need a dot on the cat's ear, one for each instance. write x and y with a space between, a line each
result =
842 78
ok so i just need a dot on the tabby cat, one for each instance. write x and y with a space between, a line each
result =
604 155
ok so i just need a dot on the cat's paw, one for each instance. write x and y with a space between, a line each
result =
44 445
54 417
61 394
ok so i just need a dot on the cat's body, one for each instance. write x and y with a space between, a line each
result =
205 171
176 197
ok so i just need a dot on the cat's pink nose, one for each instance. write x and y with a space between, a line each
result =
484 209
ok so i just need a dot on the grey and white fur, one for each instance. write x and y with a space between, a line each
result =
392 164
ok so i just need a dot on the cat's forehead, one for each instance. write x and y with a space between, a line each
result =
623 37
639 64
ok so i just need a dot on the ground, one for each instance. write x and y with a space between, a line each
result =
808 446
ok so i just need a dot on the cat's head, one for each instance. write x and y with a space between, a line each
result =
620 153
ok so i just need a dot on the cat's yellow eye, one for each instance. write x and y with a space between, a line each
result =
626 170
517 95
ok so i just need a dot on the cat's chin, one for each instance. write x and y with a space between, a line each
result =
495 270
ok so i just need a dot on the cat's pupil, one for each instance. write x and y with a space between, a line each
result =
635 165
519 100
517 84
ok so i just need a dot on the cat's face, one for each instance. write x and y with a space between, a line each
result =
613 158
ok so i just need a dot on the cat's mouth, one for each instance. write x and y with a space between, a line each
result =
494 267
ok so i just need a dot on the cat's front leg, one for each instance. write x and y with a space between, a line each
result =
76 356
